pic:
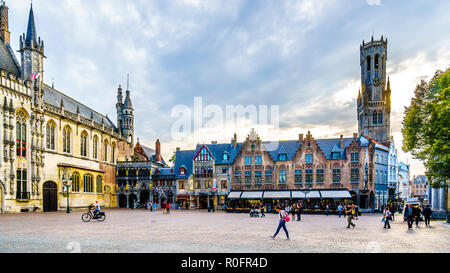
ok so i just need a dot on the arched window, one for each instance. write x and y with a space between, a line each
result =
88 183
226 156
99 184
21 135
66 139
75 182
51 135
375 118
95 147
84 144
380 117
377 61
105 151
113 153
369 63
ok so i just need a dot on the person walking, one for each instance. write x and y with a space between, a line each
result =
409 216
427 212
263 208
168 208
417 212
340 210
163 206
299 211
327 210
282 223
349 213
387 217
293 210
356 212
393 210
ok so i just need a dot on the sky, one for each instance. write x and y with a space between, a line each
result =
299 55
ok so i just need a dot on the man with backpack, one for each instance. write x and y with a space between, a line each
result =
350 212
283 218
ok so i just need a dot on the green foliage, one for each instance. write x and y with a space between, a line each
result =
172 159
426 127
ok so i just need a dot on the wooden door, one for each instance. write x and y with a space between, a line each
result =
50 196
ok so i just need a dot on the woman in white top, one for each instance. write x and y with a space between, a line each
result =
282 223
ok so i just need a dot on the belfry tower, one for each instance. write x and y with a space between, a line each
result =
125 116
374 97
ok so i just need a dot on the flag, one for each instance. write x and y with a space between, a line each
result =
35 76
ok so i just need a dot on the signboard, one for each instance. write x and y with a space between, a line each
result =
214 185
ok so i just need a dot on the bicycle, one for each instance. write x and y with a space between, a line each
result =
88 216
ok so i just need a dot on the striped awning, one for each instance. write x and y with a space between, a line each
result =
309 195
235 194
277 194
252 195
335 194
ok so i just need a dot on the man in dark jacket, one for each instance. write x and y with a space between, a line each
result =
427 212
409 215
417 212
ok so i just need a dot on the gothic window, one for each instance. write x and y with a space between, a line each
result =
309 158
105 151
95 147
369 64
282 177
375 118
88 183
258 177
75 182
99 184
66 139
113 153
22 184
83 144
380 117
21 135
248 177
51 135
377 57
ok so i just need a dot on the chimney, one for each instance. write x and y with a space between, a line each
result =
300 137
158 151
4 26
355 135
342 141
234 141
214 142
178 149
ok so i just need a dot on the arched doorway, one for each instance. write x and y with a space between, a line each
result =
131 200
122 200
144 197
50 196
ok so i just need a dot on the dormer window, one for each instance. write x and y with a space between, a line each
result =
182 171
282 157
335 155
226 156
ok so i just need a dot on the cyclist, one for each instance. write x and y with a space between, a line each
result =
97 209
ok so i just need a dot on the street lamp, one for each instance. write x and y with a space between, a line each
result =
67 182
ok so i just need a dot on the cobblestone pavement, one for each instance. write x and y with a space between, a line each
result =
138 231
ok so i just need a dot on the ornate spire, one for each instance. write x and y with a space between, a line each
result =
31 38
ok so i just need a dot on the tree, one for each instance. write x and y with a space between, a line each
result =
172 159
426 127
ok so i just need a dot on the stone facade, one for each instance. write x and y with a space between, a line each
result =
49 139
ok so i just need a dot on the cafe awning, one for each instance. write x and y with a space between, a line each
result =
335 194
252 195
309 195
277 195
235 194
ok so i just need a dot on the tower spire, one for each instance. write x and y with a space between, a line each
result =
31 38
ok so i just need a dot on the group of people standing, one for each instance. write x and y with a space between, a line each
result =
164 206
413 213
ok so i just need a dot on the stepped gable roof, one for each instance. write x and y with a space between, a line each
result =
183 159
54 97
8 60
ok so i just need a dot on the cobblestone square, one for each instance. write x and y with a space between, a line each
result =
142 231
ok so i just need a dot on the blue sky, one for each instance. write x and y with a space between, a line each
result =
300 55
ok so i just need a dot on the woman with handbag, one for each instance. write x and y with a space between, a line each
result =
283 218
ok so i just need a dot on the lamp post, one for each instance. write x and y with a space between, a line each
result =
67 182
